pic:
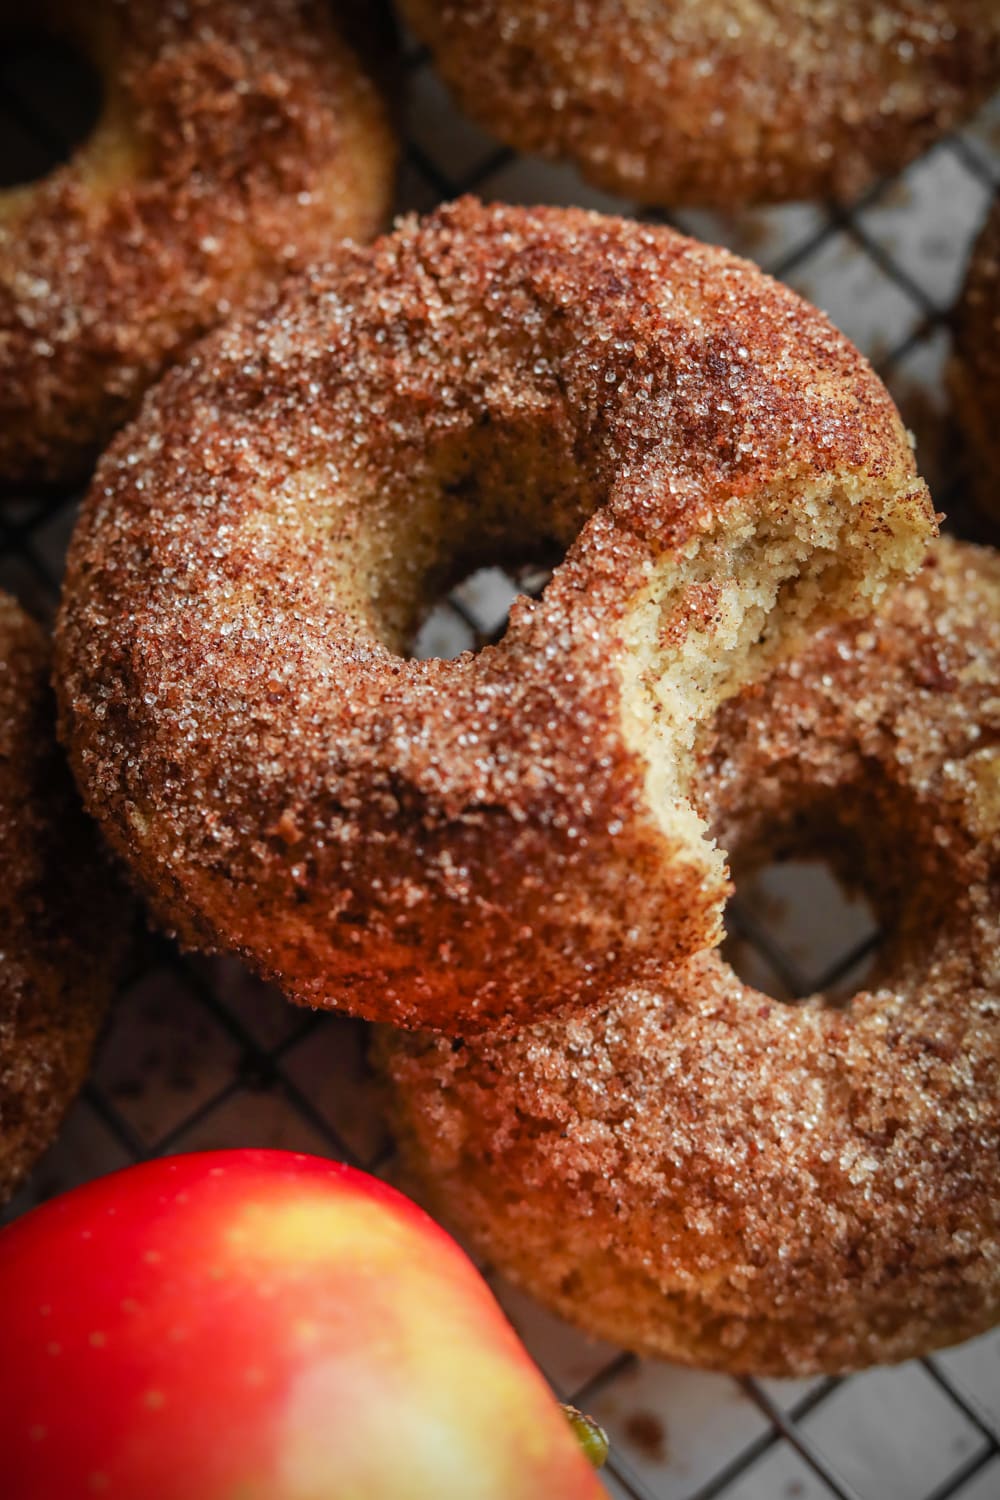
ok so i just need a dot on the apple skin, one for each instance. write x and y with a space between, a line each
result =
262 1325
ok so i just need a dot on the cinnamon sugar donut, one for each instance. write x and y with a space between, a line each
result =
975 369
234 141
61 917
448 843
718 102
696 1171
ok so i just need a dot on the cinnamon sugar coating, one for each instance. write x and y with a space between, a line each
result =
718 102
697 1171
61 914
237 139
454 843
975 369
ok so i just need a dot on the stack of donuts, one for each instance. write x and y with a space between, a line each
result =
296 436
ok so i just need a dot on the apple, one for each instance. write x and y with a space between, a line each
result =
262 1325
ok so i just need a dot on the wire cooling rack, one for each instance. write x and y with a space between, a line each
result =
199 1054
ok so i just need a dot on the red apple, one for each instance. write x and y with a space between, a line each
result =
259 1325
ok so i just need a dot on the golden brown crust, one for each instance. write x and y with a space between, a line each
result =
697 1171
718 102
61 914
975 370
451 843
235 142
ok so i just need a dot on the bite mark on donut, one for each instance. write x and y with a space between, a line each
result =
716 615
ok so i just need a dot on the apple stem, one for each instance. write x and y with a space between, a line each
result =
590 1435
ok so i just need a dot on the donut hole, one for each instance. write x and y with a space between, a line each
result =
484 518
794 928
840 887
475 612
50 102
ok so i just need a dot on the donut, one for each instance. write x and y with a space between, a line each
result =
448 843
975 367
696 1171
61 914
718 103
234 141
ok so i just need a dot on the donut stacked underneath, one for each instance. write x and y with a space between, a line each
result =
696 1171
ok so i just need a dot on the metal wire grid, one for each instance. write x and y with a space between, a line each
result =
201 1054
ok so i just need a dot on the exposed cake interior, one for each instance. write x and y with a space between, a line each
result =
714 615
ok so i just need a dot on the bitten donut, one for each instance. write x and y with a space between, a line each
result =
718 102
60 913
234 141
696 1171
448 843
975 369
